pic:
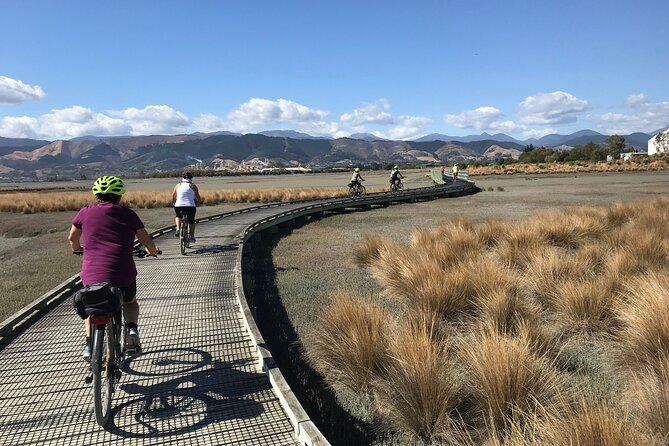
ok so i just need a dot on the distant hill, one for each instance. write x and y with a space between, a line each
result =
288 134
89 155
8 145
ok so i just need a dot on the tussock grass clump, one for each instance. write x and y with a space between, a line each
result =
521 245
587 305
507 313
417 391
349 345
425 286
369 250
649 394
594 424
512 323
509 383
644 316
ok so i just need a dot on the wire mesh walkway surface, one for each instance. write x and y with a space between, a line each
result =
197 383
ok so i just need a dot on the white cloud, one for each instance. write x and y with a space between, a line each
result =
636 100
537 133
153 119
261 114
557 107
208 123
377 113
478 119
646 116
14 91
406 127
79 121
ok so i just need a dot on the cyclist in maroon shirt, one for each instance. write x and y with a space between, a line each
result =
108 232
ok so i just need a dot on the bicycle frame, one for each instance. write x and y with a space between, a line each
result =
106 361
184 233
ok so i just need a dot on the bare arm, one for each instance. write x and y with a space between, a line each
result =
75 239
146 240
197 194
174 194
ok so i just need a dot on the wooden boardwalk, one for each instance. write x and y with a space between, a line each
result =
198 382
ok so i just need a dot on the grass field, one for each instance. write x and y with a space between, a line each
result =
316 264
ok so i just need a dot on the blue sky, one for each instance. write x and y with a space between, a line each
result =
398 69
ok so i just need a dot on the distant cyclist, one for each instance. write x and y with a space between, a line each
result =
186 197
108 232
357 178
395 177
455 171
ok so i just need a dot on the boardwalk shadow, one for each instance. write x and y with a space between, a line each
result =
176 396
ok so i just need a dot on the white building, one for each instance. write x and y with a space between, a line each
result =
659 143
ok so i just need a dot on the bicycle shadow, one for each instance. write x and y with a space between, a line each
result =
211 249
202 392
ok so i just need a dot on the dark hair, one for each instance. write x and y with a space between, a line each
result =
109 198
188 175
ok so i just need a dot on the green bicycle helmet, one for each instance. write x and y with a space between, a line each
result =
108 184
357 169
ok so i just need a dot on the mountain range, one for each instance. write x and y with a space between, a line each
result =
90 155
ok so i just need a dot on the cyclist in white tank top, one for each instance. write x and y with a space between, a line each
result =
186 196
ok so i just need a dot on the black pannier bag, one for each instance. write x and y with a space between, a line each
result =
97 299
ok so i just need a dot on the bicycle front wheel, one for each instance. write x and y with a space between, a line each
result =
103 372
362 191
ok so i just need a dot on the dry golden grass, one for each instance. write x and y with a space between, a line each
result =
369 250
350 342
417 392
644 316
649 394
31 202
587 305
509 383
654 164
498 299
591 424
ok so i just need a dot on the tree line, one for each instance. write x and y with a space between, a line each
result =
613 147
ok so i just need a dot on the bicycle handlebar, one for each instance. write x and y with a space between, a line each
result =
139 252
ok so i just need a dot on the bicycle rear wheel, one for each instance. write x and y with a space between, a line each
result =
103 372
184 235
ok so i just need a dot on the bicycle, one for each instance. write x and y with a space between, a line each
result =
356 190
396 185
108 350
184 233
107 360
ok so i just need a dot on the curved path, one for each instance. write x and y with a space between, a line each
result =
199 380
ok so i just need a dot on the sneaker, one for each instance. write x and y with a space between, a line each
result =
176 233
86 353
132 345
192 239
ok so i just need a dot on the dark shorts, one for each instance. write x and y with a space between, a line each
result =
129 292
188 210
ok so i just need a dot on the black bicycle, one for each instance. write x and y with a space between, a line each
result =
107 359
184 233
356 189
396 185
108 350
